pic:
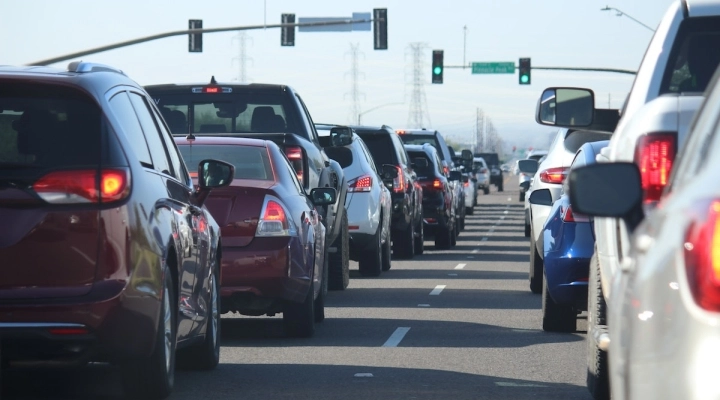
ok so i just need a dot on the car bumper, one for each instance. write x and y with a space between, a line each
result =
363 214
256 278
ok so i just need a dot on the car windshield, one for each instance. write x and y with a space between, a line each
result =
250 162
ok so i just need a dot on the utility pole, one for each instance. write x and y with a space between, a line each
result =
418 102
354 75
464 45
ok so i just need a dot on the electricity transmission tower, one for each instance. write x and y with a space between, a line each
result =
354 77
418 113
242 57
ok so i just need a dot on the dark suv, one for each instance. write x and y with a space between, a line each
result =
107 252
439 215
386 148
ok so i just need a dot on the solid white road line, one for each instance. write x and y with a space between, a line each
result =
423 305
513 384
363 375
475 251
484 239
452 274
460 266
437 290
396 337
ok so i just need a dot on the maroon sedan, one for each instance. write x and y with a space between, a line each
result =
274 258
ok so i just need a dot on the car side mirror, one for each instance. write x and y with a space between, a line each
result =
323 196
455 176
566 107
528 166
608 190
389 172
214 174
467 155
541 197
340 135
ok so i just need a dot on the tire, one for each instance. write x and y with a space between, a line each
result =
522 196
339 263
556 317
454 234
386 255
536 269
420 239
206 355
442 238
404 246
527 230
469 211
486 190
461 227
319 303
370 263
153 377
500 186
598 381
299 318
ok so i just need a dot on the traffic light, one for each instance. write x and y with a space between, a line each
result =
380 29
524 71
195 39
287 34
437 66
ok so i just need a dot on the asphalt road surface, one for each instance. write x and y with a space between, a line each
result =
455 324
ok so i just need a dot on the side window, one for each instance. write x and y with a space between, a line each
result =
178 165
368 157
308 120
401 153
155 143
123 110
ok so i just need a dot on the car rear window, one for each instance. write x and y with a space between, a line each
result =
44 126
694 56
250 162
422 139
575 139
426 171
381 148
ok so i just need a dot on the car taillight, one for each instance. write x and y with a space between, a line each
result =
567 214
84 186
554 175
295 156
399 181
484 171
466 184
654 156
702 257
361 184
446 170
274 219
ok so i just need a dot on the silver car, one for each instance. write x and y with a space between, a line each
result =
368 204
482 174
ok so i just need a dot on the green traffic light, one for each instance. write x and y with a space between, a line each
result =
437 70
524 78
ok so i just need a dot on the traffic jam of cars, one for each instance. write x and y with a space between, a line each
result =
137 216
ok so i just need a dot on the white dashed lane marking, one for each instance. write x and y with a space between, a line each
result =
437 290
396 337
460 266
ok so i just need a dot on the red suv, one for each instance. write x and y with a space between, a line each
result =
107 252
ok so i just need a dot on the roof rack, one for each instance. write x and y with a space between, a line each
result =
79 66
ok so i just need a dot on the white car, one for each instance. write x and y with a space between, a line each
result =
368 203
524 178
664 307
482 174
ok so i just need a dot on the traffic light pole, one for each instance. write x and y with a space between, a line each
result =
186 32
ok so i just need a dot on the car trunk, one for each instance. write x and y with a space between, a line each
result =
236 208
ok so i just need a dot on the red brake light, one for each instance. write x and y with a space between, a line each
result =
554 175
399 181
211 90
400 132
295 155
83 186
654 155
361 184
273 219
702 257
466 184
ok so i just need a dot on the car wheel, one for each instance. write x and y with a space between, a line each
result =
556 317
522 196
339 263
598 381
299 318
500 186
153 377
420 239
536 268
486 190
442 238
454 234
386 255
206 355
370 263
405 245
470 211
527 230
319 303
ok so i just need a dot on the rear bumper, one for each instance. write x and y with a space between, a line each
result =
567 279
257 278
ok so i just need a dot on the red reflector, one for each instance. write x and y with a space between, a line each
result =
654 156
211 90
554 175
361 184
702 256
68 331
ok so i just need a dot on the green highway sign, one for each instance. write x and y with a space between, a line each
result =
493 67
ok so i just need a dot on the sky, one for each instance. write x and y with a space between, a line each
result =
562 33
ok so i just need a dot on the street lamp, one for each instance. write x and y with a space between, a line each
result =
375 108
620 14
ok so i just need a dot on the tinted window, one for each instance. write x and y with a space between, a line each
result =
694 56
381 148
175 158
123 110
427 171
250 162
152 136
576 139
44 126
400 149
422 139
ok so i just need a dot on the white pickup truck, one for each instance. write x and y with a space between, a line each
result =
668 88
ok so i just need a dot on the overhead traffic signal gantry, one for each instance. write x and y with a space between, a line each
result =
524 71
437 66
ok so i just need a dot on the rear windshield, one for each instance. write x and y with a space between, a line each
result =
250 162
224 112
43 126
381 148
422 139
427 171
694 56
576 139
490 158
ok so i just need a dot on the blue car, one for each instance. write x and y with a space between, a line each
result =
568 243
